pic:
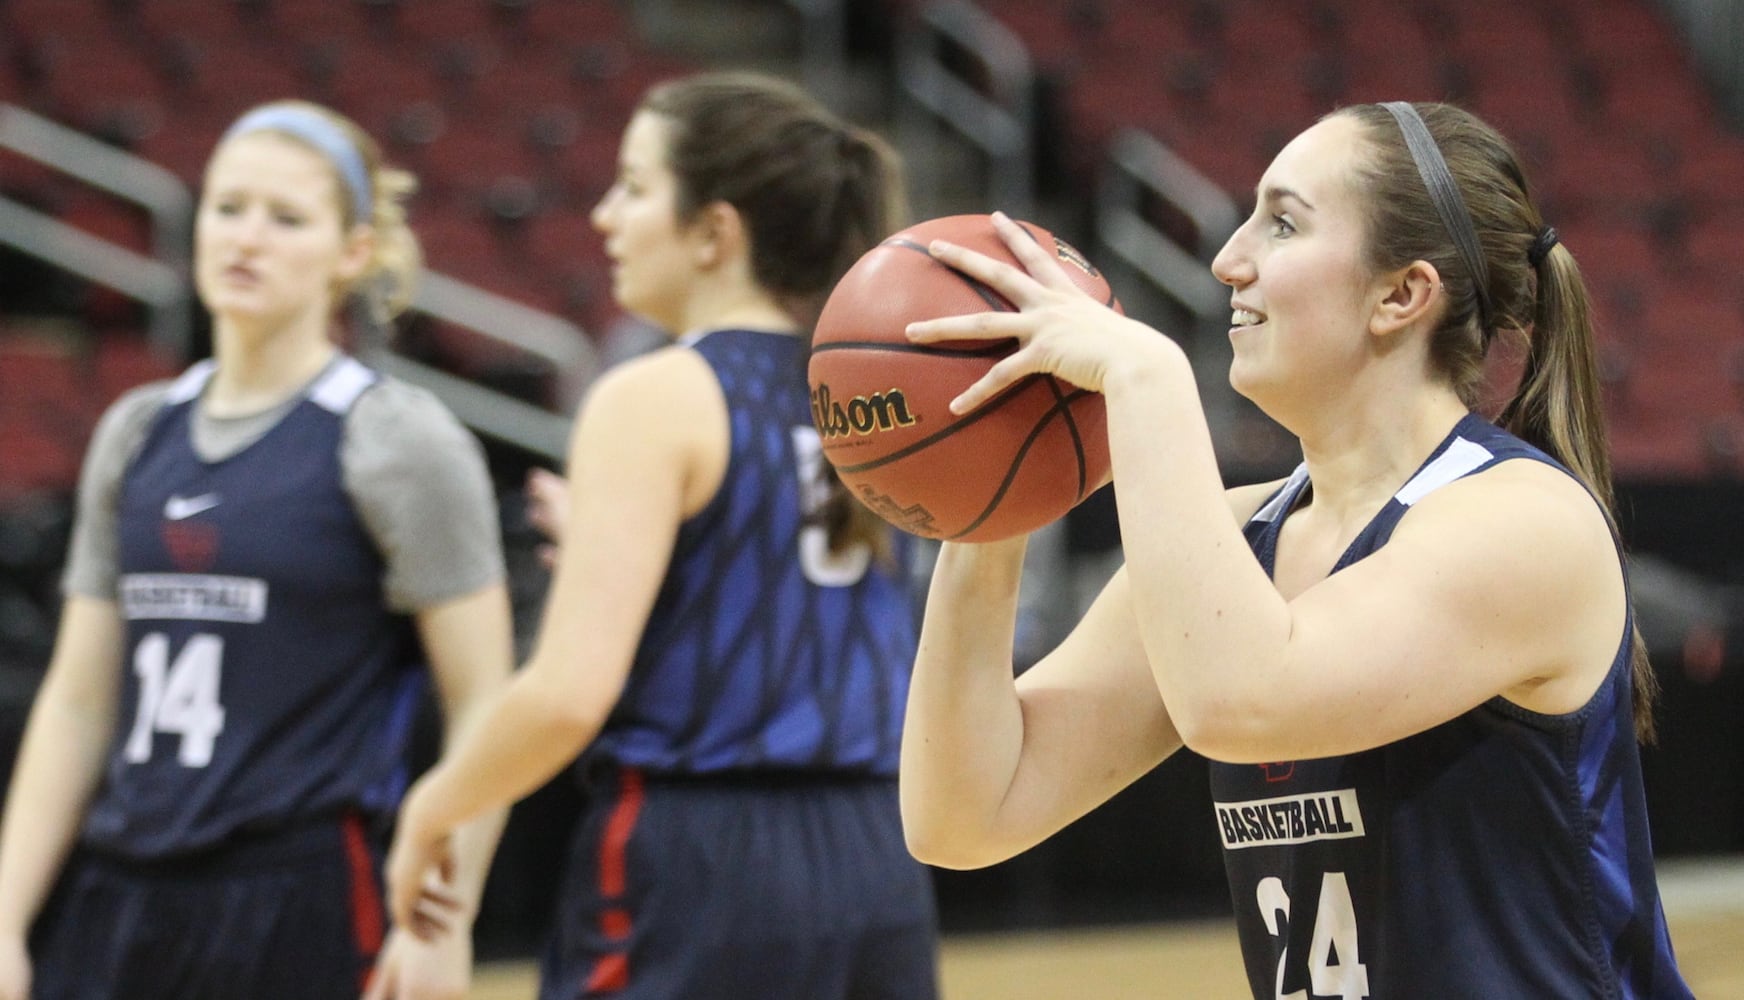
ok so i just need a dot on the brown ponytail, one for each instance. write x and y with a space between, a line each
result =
814 192
1558 408
1530 292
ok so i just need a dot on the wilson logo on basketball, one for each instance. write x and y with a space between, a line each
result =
861 415
1067 252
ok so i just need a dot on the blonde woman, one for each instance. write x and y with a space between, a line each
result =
269 550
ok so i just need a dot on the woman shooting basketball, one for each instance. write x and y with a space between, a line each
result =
1412 662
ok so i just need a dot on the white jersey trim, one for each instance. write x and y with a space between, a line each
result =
191 382
1285 495
336 390
1460 458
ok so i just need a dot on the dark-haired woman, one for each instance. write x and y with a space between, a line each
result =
727 637
1412 662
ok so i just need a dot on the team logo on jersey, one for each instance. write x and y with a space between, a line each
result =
1278 771
180 508
868 414
1290 819
192 545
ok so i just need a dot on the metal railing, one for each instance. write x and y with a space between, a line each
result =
1146 197
160 281
1715 30
992 106
823 47
532 429
568 349
1138 170
161 287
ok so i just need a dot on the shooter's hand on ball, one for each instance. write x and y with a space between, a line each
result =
1059 329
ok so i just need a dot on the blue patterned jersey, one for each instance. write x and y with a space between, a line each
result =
265 680
1503 853
764 651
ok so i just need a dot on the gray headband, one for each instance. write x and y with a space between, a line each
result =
1432 167
320 132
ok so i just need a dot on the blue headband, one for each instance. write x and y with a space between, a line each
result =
328 138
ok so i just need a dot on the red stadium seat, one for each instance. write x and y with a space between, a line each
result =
1710 170
44 369
1622 36
1707 261
566 23
1608 250
117 222
85 74
454 242
126 359
38 460
1604 177
1653 101
1698 328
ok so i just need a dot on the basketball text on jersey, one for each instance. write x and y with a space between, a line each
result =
880 411
1290 819
193 597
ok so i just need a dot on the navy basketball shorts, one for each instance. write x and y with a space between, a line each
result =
296 915
753 887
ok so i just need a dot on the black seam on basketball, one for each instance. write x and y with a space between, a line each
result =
926 442
906 244
1063 402
1010 473
994 349
993 299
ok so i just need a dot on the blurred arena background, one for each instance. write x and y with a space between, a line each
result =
1136 129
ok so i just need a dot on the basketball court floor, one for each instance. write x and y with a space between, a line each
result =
1704 902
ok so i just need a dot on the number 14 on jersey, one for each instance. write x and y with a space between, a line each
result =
178 696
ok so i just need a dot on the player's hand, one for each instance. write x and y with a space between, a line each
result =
412 969
420 873
548 510
1059 328
15 969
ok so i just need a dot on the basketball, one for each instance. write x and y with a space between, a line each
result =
881 404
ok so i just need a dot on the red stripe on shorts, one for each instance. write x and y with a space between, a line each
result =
611 971
610 974
366 899
617 836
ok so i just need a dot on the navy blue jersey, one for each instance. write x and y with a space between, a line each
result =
1503 853
764 650
265 681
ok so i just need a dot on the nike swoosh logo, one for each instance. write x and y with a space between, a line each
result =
176 508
